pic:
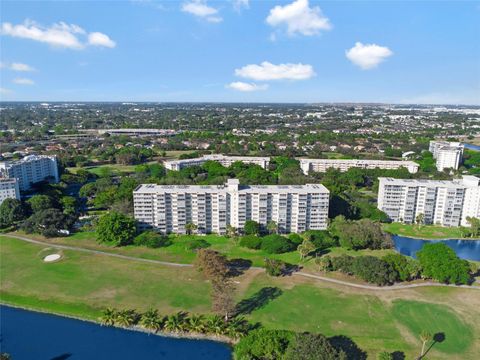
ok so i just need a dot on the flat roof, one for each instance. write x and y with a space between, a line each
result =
467 181
366 161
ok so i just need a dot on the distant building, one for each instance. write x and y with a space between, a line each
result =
446 203
222 159
31 169
9 189
322 165
449 155
136 132
169 208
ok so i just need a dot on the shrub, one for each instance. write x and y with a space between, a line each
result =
276 244
343 263
275 267
405 268
295 239
251 242
196 244
374 270
320 238
151 239
263 344
251 227
308 346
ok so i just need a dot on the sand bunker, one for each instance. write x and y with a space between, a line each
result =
51 257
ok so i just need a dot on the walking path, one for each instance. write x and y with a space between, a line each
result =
298 273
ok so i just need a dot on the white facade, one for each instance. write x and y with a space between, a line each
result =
446 203
448 155
322 165
222 159
31 169
168 208
9 189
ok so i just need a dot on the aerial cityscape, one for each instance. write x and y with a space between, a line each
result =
239 179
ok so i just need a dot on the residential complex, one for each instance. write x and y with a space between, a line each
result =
322 165
440 202
9 189
222 159
448 155
31 169
169 208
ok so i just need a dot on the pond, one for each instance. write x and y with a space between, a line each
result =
471 147
28 335
465 249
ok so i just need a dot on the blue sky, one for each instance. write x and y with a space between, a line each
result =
241 51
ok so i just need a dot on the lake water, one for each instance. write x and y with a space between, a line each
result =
471 147
465 249
28 335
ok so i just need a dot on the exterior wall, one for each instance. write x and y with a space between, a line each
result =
9 189
212 208
449 155
446 203
30 170
322 165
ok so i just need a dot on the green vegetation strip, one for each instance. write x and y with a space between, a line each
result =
424 231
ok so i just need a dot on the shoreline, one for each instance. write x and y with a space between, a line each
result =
173 335
433 239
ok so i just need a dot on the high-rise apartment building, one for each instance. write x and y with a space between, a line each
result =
448 155
169 208
222 159
9 189
322 165
440 202
31 169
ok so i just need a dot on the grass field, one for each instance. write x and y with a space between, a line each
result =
80 284
424 231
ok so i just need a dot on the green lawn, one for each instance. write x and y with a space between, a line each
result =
424 231
81 284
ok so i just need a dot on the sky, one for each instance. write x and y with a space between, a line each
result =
241 51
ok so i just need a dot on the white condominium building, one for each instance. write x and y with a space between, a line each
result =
449 155
322 165
9 189
222 159
169 208
446 203
31 169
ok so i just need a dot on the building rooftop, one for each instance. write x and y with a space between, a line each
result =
216 157
466 181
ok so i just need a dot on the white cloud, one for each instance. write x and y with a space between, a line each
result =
23 81
268 71
200 9
299 18
99 39
60 34
20 67
368 56
241 4
5 91
246 87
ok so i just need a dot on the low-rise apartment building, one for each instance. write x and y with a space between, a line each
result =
448 155
31 169
222 159
440 202
9 189
169 208
322 165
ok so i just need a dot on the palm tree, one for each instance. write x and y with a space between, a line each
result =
215 324
272 227
108 316
126 318
190 228
236 327
420 219
305 248
196 323
174 323
231 231
425 337
150 320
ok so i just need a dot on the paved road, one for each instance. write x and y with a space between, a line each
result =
298 273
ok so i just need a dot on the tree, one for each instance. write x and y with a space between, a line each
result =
425 337
69 205
47 222
40 202
11 212
126 318
305 248
115 229
251 227
263 344
441 263
190 228
385 355
276 244
312 347
275 267
223 301
474 226
272 227
231 231
108 316
420 219
150 320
